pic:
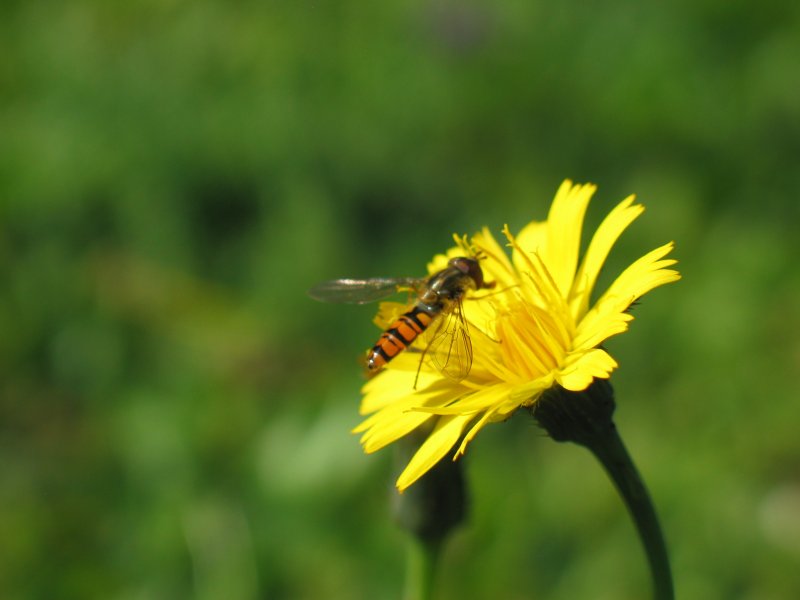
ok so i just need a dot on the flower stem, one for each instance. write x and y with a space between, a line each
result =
423 556
612 454
429 511
585 418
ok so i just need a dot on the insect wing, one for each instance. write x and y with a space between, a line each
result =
450 346
361 291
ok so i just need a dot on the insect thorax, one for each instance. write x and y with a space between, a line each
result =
446 286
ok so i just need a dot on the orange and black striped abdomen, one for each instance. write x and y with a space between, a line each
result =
399 336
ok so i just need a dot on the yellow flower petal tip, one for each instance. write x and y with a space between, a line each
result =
537 327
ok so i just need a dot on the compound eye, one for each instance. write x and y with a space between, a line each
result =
469 266
461 263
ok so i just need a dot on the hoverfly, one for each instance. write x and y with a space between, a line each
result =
437 309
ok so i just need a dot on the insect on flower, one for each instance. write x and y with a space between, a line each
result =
437 310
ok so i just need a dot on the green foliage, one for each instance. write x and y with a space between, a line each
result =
174 412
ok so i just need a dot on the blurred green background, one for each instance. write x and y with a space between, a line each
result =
174 411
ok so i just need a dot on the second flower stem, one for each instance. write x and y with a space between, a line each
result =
423 558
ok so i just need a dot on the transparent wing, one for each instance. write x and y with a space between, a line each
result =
361 291
450 346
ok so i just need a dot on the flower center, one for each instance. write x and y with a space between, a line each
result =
533 342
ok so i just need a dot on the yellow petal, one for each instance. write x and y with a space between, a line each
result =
474 431
614 320
386 431
645 274
400 418
444 436
564 227
529 241
608 316
485 399
579 372
496 266
526 393
603 240
395 381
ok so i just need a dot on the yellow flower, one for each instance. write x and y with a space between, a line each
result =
534 330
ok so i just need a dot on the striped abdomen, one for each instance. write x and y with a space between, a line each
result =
400 335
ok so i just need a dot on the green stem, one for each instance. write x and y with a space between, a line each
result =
585 418
611 452
423 556
429 511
